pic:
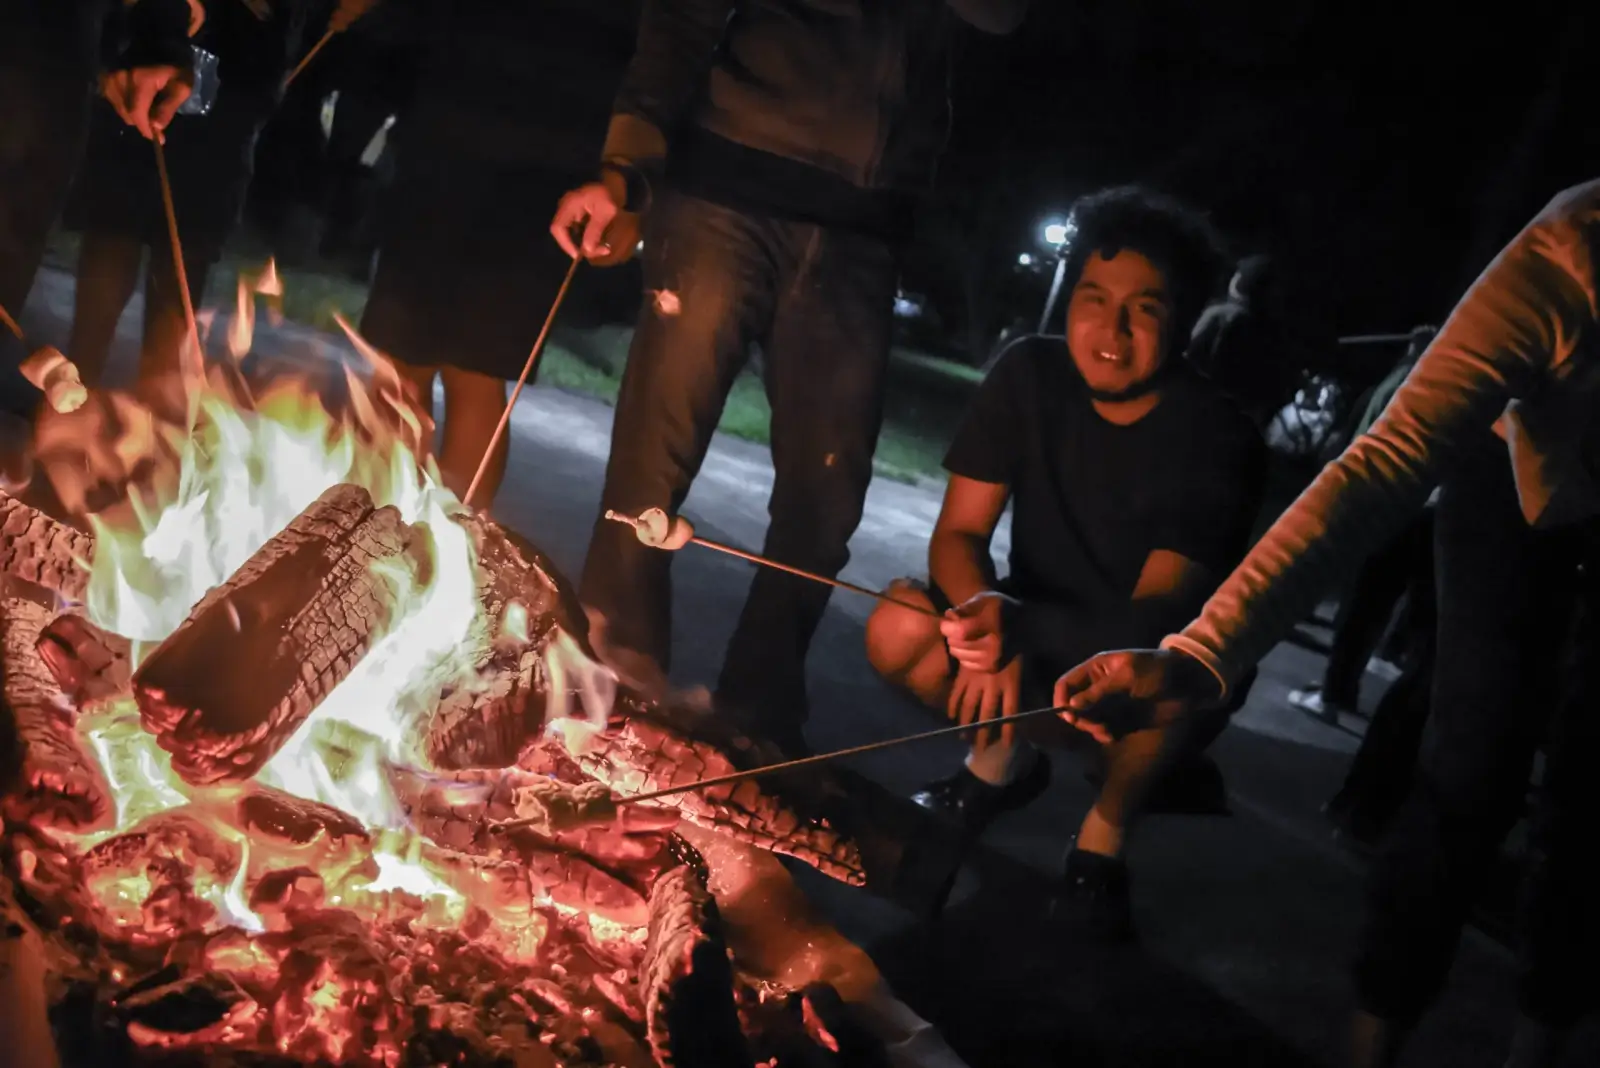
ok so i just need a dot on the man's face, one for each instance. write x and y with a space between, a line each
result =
1117 324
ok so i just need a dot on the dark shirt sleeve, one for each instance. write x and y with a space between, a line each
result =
677 42
157 35
1214 509
988 445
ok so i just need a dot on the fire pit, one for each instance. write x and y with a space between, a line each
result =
266 719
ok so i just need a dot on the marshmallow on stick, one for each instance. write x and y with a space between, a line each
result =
57 377
657 529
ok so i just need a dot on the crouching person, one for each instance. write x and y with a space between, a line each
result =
1134 483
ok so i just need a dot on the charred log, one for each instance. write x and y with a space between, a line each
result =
295 619
90 665
486 723
58 783
24 1005
41 550
687 981
641 753
513 571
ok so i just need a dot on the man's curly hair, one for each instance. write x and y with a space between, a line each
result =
1178 240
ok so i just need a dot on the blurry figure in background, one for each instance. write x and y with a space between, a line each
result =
235 55
1242 343
1135 483
778 145
49 57
508 113
1368 607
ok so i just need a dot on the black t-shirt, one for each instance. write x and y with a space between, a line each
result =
1090 499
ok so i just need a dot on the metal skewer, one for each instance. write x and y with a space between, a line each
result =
527 369
804 762
192 365
309 56
764 561
10 323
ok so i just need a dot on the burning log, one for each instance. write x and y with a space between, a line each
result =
39 549
24 1006
512 571
59 784
297 618
643 753
687 981
91 665
487 724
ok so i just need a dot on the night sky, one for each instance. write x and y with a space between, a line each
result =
1383 152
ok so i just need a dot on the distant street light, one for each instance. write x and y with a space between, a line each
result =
1055 234
1025 260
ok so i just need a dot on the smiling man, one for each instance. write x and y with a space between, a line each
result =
1134 483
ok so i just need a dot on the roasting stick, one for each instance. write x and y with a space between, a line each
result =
678 532
10 323
64 392
804 762
305 61
522 379
193 366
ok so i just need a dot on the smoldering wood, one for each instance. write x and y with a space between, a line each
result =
57 781
687 981
227 689
90 664
42 550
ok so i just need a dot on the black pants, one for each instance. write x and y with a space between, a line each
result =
1364 613
819 304
48 50
1506 599
1381 774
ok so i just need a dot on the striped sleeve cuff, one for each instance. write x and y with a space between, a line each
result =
1189 647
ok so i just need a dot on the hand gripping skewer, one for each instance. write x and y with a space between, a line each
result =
656 530
805 762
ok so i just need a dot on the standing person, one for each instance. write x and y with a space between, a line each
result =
117 204
1134 483
1365 611
507 113
776 146
1243 344
1515 370
49 59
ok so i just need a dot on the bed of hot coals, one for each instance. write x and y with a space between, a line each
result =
264 719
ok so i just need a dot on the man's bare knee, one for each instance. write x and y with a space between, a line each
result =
898 637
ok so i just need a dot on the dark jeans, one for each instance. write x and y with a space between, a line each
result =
108 273
48 51
1365 612
819 304
1381 774
1506 598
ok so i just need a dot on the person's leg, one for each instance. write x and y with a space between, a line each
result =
906 648
473 405
1558 925
708 291
108 273
166 323
1503 604
826 356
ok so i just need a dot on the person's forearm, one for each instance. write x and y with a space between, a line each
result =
677 42
960 565
991 16
1530 310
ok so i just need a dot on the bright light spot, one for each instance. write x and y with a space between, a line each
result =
1025 260
1055 233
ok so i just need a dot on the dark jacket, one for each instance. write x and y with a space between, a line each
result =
854 88
255 41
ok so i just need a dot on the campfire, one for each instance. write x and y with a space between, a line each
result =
269 711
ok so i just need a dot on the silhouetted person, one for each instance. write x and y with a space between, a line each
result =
1241 343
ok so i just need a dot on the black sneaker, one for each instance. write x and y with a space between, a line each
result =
1093 903
973 804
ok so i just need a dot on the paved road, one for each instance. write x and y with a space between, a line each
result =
1246 921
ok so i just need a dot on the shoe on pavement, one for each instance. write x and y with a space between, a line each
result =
1311 701
1093 904
973 804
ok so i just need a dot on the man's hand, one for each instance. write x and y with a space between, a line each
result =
981 696
1118 693
975 631
147 98
609 233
